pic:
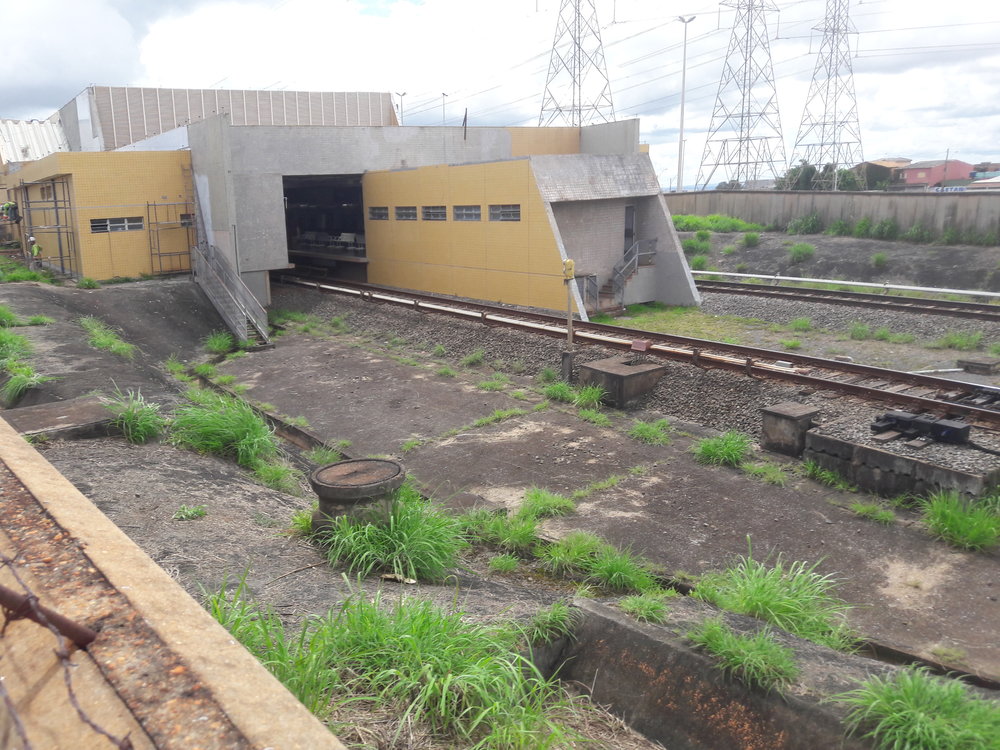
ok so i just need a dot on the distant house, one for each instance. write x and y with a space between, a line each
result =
935 173
993 183
879 171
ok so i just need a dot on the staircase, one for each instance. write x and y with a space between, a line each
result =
611 296
244 315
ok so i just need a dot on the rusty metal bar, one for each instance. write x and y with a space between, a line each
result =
26 606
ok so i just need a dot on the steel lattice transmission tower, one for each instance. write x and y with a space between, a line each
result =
577 91
744 137
830 133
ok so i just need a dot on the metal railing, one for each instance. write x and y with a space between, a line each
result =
641 253
241 311
590 290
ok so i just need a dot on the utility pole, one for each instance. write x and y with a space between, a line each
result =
830 133
443 97
744 137
680 137
577 90
400 95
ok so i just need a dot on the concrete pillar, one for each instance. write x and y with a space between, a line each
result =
784 427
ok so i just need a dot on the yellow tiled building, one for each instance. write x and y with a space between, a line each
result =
107 214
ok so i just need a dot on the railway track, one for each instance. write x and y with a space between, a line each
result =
979 405
958 309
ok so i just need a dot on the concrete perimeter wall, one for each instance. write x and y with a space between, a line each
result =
966 212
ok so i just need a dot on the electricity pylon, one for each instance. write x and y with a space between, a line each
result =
744 137
830 133
577 91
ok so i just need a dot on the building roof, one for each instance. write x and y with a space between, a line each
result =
573 177
27 140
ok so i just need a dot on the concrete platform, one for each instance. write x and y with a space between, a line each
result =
75 418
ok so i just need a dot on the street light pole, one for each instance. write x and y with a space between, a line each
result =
680 146
400 95
443 96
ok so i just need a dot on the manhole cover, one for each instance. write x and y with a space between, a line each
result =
357 478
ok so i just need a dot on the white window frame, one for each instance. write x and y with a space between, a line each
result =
117 224
505 212
406 213
378 213
434 213
467 213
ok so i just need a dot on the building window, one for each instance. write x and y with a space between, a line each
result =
129 224
46 192
187 220
406 213
506 212
434 213
468 213
378 213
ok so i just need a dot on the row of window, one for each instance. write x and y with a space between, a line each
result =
499 212
120 224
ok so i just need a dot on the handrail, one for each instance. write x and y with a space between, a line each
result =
640 254
231 297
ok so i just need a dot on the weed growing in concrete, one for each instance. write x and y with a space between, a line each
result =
539 503
279 476
418 540
8 318
594 417
475 359
551 623
960 522
223 425
21 377
963 341
548 375
235 355
873 512
225 379
589 397
498 382
800 252
750 239
100 336
463 680
86 282
446 372
766 472
411 444
949 654
619 570
301 522
729 449
39 320
597 486
647 607
139 420
504 563
498 416
914 710
826 477
219 342
757 660
267 406
322 455
794 597
801 325
791 344
190 512
298 421
205 369
560 392
516 533
13 345
571 554
653 433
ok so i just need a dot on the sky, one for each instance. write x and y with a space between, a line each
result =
926 74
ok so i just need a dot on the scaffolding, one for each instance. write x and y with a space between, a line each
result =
49 219
171 234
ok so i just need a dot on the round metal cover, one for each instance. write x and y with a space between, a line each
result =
356 478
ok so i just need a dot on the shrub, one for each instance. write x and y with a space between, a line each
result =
417 540
139 420
729 449
794 598
913 710
801 251
863 228
223 425
918 234
887 229
811 224
698 263
694 246
703 235
758 659
653 433
960 522
840 228
751 239
880 261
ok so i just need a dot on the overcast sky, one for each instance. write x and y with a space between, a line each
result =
927 74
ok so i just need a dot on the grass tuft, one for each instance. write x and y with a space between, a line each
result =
551 623
594 417
190 512
653 433
139 420
560 391
647 607
589 397
729 449
219 342
100 336
873 512
960 522
223 425
539 503
757 660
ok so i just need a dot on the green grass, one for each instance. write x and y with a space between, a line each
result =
694 246
39 320
713 222
652 433
85 282
548 375
219 342
439 351
466 682
8 318
223 425
703 234
589 397
100 336
539 503
498 382
551 623
322 455
750 239
647 607
205 369
278 475
516 533
801 325
730 449
597 486
880 261
960 522
505 563
572 554
190 512
767 473
800 252
859 331
698 262
826 477
21 378
499 415
594 417
418 540
138 420
873 512
13 345
757 660
911 710
225 379
475 359
446 372
560 391
791 344
791 596
963 341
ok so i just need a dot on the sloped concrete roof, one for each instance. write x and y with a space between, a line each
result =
575 177
27 140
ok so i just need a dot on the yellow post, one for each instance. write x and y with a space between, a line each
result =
569 272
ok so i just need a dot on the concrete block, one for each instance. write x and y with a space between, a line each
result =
979 366
621 380
784 427
831 446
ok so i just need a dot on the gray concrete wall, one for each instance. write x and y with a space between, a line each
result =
593 233
610 138
211 166
962 211
674 282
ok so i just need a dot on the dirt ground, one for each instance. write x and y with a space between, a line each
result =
941 266
909 591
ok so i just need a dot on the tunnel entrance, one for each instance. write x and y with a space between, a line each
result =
325 224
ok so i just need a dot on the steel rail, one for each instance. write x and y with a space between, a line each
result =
699 352
959 309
